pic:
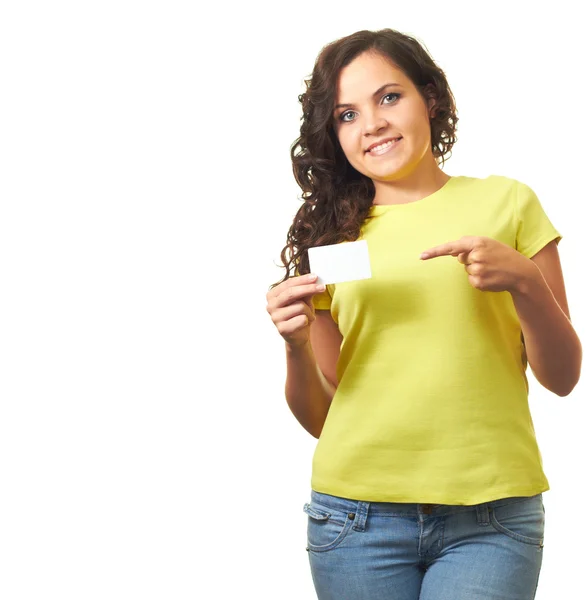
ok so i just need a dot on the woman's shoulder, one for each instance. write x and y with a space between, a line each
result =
491 182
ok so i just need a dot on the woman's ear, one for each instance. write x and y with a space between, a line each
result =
430 95
431 109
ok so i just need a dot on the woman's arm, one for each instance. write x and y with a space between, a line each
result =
308 392
553 347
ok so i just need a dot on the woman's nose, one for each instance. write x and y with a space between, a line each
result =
374 123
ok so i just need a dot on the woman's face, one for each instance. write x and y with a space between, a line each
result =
376 114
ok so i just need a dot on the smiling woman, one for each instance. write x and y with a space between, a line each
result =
427 469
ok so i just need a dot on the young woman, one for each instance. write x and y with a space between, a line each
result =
427 477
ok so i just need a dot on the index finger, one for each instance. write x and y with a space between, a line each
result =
300 288
291 282
448 249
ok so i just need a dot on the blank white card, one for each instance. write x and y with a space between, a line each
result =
347 261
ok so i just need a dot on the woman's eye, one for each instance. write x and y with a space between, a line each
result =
351 111
393 94
344 115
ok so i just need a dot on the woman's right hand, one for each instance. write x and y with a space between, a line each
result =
291 309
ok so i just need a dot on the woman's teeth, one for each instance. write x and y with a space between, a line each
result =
382 147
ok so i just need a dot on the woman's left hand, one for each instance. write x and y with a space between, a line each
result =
491 265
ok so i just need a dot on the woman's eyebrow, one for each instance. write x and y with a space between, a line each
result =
380 89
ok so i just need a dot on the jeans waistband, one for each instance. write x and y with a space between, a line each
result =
408 508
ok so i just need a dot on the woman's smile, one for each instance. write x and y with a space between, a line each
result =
384 148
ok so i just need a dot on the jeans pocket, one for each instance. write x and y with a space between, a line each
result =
522 520
326 528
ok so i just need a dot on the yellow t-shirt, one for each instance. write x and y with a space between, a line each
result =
432 403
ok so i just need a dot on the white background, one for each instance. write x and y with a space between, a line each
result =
146 448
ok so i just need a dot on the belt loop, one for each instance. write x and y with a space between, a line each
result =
361 516
482 514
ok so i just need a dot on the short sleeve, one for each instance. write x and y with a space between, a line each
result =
534 230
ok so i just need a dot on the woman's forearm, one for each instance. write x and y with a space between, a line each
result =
308 393
554 351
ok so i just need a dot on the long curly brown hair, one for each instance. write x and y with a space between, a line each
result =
336 197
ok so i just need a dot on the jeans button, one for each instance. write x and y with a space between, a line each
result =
351 516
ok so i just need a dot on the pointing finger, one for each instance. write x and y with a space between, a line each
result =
448 249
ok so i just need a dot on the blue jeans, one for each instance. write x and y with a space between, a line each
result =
399 551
